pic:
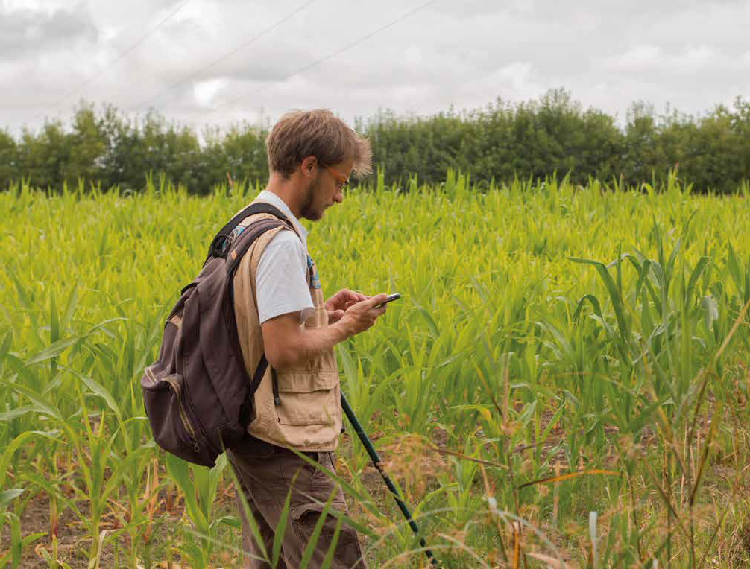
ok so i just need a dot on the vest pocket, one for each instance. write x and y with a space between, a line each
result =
308 399
305 409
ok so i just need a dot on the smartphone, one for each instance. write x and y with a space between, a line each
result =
391 298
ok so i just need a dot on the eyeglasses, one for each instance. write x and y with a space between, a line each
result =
341 180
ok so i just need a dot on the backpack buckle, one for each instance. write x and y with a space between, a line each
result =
219 247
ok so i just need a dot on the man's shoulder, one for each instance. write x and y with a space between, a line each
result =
278 244
284 243
287 237
282 249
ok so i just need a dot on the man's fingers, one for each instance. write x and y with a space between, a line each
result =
373 301
355 297
347 298
352 294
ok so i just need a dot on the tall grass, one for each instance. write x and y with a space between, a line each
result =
565 381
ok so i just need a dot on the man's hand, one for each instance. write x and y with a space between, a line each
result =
287 344
362 315
340 302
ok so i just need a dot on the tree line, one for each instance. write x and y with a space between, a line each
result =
531 140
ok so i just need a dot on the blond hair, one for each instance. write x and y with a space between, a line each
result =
300 134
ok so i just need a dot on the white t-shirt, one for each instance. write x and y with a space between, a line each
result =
281 281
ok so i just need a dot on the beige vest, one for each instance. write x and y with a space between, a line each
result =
309 417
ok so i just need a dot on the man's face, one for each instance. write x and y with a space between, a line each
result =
326 189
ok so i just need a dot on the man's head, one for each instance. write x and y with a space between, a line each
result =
316 153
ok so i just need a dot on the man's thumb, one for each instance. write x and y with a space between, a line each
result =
379 299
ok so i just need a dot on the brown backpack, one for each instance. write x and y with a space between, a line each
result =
198 394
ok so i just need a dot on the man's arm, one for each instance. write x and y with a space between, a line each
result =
287 344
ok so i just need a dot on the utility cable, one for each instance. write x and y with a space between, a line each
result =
328 56
225 56
119 58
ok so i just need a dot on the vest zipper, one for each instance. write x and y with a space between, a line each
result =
183 415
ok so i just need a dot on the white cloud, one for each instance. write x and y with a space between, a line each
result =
635 58
653 58
691 53
205 91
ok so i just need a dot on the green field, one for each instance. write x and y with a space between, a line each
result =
521 350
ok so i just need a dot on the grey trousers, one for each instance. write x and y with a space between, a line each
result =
265 474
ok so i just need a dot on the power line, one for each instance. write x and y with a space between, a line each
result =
119 58
328 56
225 56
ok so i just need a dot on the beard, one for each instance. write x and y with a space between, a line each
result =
309 209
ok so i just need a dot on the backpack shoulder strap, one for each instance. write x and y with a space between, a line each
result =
233 258
246 240
217 248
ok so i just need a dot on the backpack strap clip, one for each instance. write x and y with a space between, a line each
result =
218 247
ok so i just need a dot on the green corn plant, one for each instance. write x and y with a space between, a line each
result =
199 486
501 348
18 542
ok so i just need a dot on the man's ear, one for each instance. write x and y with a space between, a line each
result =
308 165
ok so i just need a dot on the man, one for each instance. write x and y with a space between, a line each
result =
281 313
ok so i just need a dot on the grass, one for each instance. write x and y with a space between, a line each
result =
564 382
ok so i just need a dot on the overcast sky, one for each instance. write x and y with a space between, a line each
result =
160 53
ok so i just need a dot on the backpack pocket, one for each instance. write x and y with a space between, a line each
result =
173 423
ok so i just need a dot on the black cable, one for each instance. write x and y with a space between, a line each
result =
327 57
223 57
121 56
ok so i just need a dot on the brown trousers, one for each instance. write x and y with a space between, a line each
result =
265 474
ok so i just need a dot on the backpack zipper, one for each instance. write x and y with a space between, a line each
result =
183 415
150 375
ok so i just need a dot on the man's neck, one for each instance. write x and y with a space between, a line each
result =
285 188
